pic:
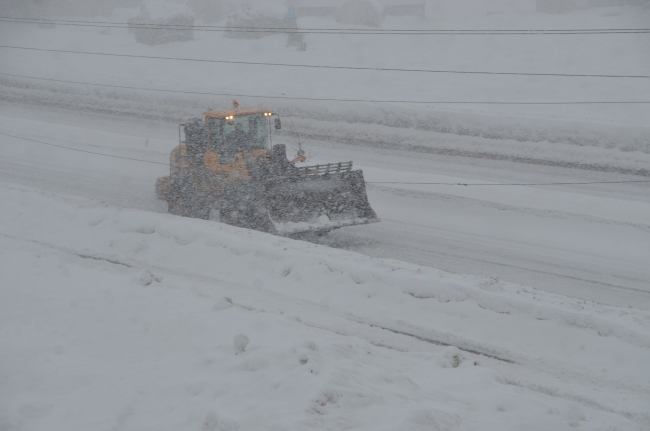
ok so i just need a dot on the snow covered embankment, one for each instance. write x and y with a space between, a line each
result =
130 317
554 142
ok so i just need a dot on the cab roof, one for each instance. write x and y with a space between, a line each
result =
236 112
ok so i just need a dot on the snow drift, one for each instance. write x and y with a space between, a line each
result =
165 300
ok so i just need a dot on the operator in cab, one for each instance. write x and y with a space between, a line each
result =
238 140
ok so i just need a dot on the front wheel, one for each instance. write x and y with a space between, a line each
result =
183 199
242 206
162 188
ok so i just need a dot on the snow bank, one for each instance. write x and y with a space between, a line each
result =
620 130
569 144
579 144
315 318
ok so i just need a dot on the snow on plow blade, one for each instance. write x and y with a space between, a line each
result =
319 199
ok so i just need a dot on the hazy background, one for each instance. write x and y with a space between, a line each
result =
218 8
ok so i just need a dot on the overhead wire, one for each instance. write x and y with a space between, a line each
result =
509 184
332 31
83 151
250 29
313 66
367 182
321 99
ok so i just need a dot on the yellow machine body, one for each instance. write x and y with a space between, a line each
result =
225 167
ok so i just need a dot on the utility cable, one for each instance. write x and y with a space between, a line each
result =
340 32
250 29
325 99
509 184
367 182
310 66
83 151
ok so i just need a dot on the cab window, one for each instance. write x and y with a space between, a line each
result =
251 128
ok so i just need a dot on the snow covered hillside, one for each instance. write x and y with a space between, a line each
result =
122 319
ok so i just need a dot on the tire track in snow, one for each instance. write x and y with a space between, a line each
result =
508 207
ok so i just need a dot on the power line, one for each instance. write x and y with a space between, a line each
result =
83 151
145 26
105 24
510 184
327 99
367 182
310 66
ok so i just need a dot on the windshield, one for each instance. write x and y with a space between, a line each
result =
243 133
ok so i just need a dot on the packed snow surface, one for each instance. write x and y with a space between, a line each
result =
133 320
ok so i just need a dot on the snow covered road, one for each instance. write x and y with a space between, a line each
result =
586 241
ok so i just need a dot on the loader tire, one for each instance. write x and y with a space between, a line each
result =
162 188
242 206
246 215
184 200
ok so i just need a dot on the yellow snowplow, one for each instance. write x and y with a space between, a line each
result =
227 169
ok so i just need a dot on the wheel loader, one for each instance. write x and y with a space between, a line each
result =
227 169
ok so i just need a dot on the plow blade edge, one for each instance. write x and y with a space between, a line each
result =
318 203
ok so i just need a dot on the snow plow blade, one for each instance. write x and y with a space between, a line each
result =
226 170
318 199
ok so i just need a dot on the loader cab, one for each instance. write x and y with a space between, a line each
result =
238 130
